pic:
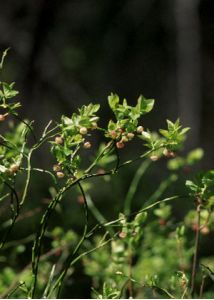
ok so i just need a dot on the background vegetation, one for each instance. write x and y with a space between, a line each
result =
68 53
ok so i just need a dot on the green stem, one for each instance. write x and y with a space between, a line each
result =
196 248
108 146
77 259
202 286
71 256
128 162
15 212
134 184
97 214
142 210
36 250
161 189
27 182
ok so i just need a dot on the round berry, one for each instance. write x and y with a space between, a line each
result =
58 140
100 171
162 222
122 234
205 230
120 145
195 227
60 174
56 168
154 157
121 130
113 134
140 129
130 135
80 199
14 168
83 130
168 153
87 145
2 118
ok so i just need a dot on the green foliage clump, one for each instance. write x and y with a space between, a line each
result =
142 253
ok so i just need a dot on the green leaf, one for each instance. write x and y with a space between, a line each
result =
2 169
176 163
113 101
191 185
171 126
3 57
145 105
8 90
112 125
145 136
184 130
89 110
164 132
194 156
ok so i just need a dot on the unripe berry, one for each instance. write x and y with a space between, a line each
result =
154 157
58 140
87 145
168 153
80 199
195 227
121 130
94 125
130 135
113 134
2 118
100 171
120 145
122 234
56 168
140 129
205 230
60 174
162 222
14 168
83 130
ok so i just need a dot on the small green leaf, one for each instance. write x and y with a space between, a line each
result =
113 101
145 136
194 156
145 105
3 57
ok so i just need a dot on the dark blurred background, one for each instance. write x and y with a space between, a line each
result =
67 53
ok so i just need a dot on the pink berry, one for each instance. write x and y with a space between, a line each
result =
83 130
140 129
87 145
58 140
154 157
60 174
120 145
56 168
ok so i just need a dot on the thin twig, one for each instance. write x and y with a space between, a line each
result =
71 256
15 211
196 248
202 287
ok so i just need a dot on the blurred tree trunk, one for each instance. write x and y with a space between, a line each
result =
188 67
